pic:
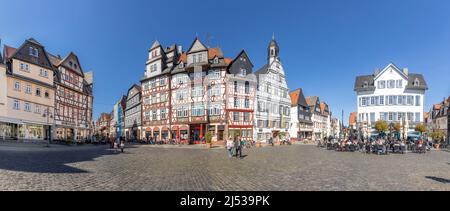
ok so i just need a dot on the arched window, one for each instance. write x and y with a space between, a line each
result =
272 52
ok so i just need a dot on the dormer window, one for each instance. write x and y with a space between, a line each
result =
416 82
181 65
216 60
75 66
70 63
366 84
33 52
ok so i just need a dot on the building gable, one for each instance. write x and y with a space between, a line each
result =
242 61
389 69
71 62
197 46
133 91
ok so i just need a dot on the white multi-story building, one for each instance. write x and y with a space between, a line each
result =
274 102
393 95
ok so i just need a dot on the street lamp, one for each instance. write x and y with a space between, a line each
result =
48 115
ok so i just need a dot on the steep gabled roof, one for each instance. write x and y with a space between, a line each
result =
134 86
155 45
312 100
72 55
8 51
391 66
197 43
243 53
298 98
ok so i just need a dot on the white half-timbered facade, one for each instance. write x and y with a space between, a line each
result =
273 100
241 96
73 112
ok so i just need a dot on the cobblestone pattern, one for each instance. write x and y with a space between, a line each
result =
191 169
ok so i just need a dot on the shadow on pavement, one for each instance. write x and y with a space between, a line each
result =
50 160
438 179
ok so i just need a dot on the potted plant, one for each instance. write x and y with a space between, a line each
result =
381 127
421 129
209 137
437 138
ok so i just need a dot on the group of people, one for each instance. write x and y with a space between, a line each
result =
377 146
235 147
118 144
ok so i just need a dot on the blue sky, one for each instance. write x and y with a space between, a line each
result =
324 43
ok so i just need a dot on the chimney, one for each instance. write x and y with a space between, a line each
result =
406 71
180 49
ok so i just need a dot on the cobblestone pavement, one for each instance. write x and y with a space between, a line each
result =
193 169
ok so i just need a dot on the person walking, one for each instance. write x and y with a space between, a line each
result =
230 146
242 145
238 147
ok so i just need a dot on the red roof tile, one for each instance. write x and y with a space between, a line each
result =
183 58
9 51
214 52
228 60
294 97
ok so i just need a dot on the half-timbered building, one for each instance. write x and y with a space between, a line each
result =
73 99
156 93
184 93
241 95
274 102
